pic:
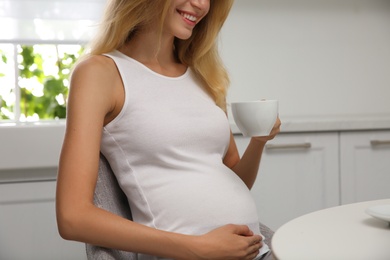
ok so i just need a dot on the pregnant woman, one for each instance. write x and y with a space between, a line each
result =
150 96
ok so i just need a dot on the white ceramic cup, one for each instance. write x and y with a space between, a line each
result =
255 118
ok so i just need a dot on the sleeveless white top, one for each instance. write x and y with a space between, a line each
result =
166 148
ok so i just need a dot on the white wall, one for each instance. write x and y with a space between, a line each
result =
318 57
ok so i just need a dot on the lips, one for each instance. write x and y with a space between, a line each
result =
188 16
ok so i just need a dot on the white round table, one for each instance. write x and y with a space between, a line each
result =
338 233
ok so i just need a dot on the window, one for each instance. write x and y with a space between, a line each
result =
34 80
41 41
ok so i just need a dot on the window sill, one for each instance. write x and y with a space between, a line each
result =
42 123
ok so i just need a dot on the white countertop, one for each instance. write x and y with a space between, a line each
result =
330 123
289 123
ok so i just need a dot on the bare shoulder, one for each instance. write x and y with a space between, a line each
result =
98 74
96 61
97 65
96 83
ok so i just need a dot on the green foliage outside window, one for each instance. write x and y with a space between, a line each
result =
51 80
4 60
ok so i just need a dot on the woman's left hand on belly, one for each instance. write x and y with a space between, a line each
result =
228 242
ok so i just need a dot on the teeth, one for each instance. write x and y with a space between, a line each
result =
189 17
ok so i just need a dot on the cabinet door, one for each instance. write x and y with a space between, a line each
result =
28 228
298 174
365 166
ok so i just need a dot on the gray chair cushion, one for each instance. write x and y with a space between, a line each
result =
109 196
267 233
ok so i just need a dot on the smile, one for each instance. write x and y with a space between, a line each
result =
188 16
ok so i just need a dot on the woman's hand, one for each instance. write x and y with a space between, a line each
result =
275 130
228 242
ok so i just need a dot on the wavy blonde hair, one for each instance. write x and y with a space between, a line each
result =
122 19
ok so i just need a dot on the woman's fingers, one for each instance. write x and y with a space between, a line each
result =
253 250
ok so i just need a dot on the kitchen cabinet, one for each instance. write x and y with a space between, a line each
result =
298 174
304 172
365 165
28 224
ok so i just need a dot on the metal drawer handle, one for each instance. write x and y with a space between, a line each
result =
379 142
288 146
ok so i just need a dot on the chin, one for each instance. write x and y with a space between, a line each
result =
184 35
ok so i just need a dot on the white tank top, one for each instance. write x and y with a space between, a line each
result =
166 148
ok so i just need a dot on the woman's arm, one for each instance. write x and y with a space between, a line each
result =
247 167
96 97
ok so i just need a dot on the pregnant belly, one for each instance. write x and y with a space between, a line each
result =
196 202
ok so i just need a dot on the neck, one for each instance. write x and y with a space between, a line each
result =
148 48
154 52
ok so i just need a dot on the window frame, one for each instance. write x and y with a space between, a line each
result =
17 112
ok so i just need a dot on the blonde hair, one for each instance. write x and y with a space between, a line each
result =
200 51
122 19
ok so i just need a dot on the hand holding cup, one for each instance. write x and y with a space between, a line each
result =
257 118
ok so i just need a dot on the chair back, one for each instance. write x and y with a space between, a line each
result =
109 196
